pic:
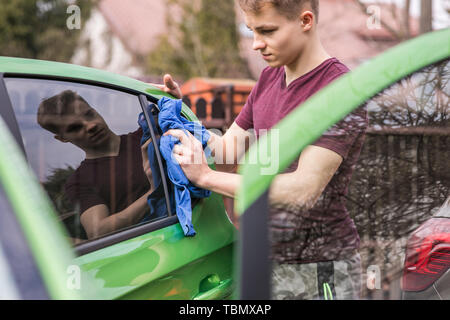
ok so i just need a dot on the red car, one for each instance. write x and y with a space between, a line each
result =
426 274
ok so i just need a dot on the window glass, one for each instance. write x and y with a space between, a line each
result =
402 177
394 176
83 143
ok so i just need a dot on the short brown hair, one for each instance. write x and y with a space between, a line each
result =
58 105
288 8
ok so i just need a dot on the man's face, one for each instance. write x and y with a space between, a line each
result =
280 40
83 127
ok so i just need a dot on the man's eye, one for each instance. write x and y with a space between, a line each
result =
89 114
74 128
268 31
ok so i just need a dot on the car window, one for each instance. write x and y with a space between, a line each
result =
83 143
402 176
393 177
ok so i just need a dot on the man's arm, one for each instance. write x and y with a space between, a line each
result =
229 148
300 190
97 220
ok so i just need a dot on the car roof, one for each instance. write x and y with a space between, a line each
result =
11 66
23 66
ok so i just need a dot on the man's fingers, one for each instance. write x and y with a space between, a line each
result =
159 86
178 149
178 158
169 82
145 145
177 133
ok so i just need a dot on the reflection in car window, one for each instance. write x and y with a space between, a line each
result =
402 176
83 143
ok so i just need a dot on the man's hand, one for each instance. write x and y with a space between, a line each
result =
191 157
169 86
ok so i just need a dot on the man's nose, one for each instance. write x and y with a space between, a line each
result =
90 126
258 43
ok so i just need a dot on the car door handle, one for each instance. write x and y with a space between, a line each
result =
222 290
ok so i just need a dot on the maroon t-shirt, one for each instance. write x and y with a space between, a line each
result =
115 181
325 232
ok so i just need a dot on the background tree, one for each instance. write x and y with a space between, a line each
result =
426 16
37 28
202 41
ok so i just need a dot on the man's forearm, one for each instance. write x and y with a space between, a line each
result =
222 183
225 160
290 193
125 218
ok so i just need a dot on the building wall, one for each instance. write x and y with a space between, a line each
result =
100 48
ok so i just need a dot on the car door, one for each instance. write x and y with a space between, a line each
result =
19 275
151 259
400 179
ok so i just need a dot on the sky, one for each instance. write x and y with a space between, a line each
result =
441 17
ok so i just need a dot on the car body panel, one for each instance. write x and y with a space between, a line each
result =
151 266
440 290
442 286
162 264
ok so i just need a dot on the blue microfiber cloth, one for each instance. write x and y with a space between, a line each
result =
156 200
170 118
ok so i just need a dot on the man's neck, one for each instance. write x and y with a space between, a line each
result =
110 148
311 57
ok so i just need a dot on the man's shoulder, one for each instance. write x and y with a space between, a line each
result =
337 68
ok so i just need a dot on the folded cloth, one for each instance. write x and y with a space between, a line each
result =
170 118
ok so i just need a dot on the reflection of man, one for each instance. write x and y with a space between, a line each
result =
314 240
110 184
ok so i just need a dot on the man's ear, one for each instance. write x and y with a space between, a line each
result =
307 20
58 137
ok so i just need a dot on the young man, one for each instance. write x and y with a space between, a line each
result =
112 183
314 241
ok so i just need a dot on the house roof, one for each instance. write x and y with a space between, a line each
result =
137 23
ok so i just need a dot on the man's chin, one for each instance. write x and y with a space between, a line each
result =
274 64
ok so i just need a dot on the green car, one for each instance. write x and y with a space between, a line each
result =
400 181
47 250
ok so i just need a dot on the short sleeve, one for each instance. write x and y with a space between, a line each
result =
341 136
85 195
245 117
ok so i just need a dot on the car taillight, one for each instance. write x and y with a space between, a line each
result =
427 255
